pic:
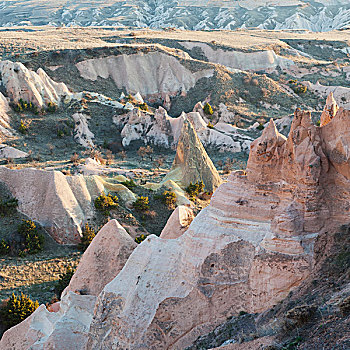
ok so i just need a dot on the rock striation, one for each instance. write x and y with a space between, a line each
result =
244 252
36 87
192 163
61 204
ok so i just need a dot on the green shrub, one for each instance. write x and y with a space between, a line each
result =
4 247
207 109
8 207
169 199
105 203
140 238
32 241
141 204
17 309
260 127
22 106
63 281
130 184
88 234
51 107
194 190
210 125
24 126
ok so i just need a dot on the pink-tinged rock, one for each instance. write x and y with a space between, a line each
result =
38 88
103 259
330 110
178 222
61 204
55 307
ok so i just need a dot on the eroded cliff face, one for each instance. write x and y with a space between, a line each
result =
246 251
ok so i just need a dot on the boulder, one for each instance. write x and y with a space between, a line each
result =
36 87
103 259
11 152
178 222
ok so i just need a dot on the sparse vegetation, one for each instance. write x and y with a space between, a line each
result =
141 204
194 189
207 109
130 184
8 206
23 106
24 126
168 198
63 281
145 152
88 234
17 309
140 238
144 106
32 241
4 247
106 203
210 125
158 162
51 107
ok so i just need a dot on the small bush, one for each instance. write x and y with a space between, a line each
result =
32 241
8 207
24 126
17 309
207 109
88 234
22 106
210 125
4 248
141 204
51 107
63 281
140 238
75 158
130 184
194 189
260 127
144 152
105 203
168 198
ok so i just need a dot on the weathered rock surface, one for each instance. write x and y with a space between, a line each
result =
61 204
162 130
103 259
5 129
11 152
246 251
330 110
149 74
178 222
192 163
82 133
36 87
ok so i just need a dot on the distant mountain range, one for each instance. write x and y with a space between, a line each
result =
314 15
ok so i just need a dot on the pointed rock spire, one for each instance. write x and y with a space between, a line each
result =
192 163
330 110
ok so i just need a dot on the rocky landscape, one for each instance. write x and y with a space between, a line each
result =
174 189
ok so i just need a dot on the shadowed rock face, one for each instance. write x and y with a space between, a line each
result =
192 163
246 251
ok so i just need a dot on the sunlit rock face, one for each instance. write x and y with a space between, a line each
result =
35 87
244 252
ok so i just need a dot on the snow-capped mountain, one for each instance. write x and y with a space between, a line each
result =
314 15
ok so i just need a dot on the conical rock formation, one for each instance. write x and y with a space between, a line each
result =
192 163
103 259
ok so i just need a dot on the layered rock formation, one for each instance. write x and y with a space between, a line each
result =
246 251
103 259
162 130
192 163
61 204
36 87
